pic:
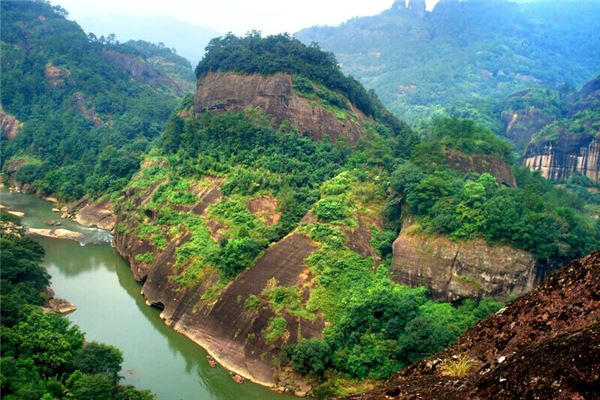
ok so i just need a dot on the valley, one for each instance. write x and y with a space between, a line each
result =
267 210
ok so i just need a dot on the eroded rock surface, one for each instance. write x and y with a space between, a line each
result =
97 214
455 270
273 95
480 164
9 124
560 159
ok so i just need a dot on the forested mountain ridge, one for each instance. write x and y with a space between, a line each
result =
464 56
86 107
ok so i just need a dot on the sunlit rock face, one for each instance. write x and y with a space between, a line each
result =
274 95
464 269
561 158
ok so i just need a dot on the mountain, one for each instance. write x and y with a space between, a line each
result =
570 143
188 40
542 345
280 216
462 57
78 111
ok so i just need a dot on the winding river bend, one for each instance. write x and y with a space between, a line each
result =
110 309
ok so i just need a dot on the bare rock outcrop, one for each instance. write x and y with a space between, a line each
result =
561 158
480 164
56 76
9 124
464 269
99 214
141 71
274 95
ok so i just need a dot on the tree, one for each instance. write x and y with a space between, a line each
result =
99 358
310 357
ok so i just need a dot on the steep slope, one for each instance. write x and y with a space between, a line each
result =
88 106
543 345
570 144
464 55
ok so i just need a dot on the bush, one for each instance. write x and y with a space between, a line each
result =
331 210
310 357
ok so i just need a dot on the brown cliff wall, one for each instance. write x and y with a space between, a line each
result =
273 95
560 159
455 270
501 170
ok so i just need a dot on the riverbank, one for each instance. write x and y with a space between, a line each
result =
100 283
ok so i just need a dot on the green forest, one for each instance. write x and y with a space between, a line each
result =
88 123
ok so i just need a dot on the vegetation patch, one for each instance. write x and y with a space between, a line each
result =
277 329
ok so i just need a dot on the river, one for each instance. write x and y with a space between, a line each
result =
110 309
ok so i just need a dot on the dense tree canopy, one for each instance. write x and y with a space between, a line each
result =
86 122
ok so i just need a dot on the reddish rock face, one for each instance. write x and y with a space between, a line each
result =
273 95
544 345
9 124
455 270
141 71
480 164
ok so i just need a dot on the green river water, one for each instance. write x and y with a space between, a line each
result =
110 309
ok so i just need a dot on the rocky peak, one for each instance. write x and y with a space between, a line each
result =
417 7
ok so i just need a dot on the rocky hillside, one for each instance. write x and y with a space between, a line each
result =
77 111
543 345
570 144
465 269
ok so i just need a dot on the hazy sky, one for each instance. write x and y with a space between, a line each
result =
238 16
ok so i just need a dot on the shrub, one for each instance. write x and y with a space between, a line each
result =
458 366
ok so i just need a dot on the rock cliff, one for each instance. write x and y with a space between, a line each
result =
561 158
274 95
480 164
464 269
9 125
544 345
571 143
